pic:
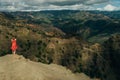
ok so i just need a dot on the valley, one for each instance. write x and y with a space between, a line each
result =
82 41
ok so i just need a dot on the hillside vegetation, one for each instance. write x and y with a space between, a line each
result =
90 25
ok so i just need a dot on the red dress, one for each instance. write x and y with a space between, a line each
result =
14 44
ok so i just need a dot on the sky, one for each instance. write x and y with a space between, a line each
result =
38 5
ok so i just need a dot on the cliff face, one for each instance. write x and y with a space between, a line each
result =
90 60
103 59
112 54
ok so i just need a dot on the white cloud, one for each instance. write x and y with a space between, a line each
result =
100 9
110 7
68 7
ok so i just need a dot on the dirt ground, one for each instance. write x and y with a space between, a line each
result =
16 67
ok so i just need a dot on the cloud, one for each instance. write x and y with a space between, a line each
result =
72 7
110 7
90 2
100 9
29 5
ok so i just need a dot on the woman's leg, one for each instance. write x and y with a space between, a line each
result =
14 52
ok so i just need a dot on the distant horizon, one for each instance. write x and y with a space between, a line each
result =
61 10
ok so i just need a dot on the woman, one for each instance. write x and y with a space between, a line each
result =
14 45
